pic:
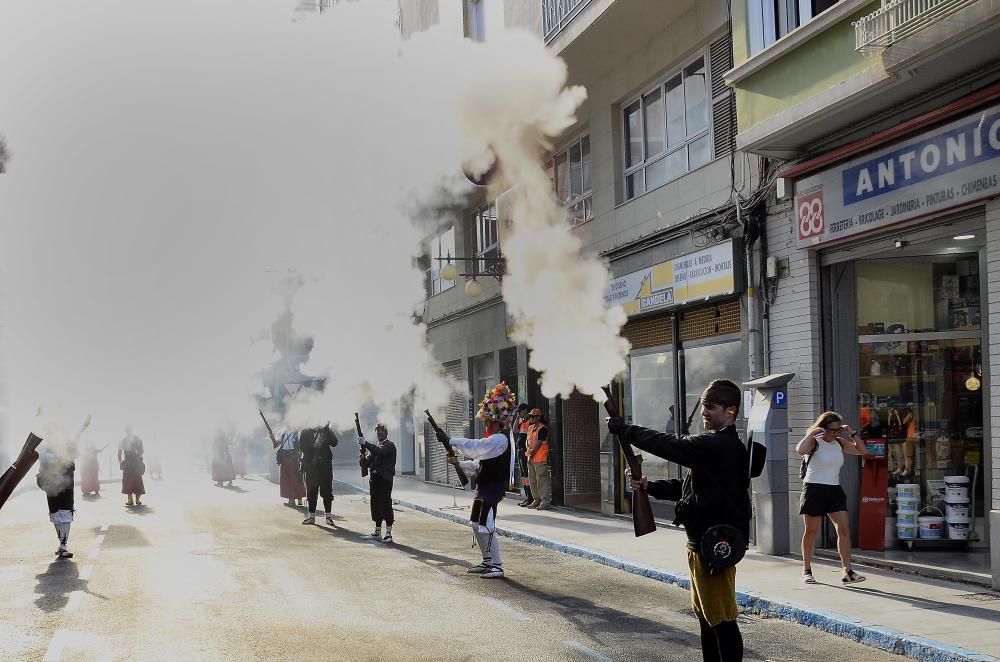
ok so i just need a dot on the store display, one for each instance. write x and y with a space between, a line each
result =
931 527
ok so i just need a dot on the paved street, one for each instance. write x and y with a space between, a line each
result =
205 573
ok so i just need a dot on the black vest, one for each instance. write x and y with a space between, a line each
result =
496 470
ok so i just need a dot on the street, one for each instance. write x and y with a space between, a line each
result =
207 573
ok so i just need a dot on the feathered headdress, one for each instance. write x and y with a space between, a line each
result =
499 401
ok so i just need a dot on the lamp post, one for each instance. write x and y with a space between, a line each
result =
491 266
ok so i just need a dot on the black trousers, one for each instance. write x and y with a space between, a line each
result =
522 469
381 501
319 483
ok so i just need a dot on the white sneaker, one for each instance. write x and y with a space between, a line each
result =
807 577
480 569
494 572
388 538
309 520
329 520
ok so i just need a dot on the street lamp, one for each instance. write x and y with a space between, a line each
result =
491 266
473 289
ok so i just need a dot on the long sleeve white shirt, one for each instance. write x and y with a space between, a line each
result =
484 449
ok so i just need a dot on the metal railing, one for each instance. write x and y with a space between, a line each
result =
898 19
556 14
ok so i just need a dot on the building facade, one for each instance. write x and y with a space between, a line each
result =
649 179
884 228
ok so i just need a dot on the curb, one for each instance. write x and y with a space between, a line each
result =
863 632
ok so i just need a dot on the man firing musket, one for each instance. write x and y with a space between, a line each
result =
381 463
495 458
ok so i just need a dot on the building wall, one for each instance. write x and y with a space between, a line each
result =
993 447
795 341
617 222
815 66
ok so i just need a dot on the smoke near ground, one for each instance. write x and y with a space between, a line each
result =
178 160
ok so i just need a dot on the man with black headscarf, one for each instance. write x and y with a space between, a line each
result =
317 461
382 469
713 492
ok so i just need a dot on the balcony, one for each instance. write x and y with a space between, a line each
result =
556 14
898 19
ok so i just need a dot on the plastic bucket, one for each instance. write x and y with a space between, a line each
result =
906 531
958 531
907 490
956 494
906 517
957 513
907 504
931 527
956 481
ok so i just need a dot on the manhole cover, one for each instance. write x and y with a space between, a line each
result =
215 551
982 597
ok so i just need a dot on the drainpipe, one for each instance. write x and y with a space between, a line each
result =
752 329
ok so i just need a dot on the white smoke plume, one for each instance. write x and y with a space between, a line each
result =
174 165
553 291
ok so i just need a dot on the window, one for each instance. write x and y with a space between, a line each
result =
475 20
441 245
570 174
771 20
667 130
484 221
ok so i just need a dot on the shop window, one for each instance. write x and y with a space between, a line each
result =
921 396
652 395
725 360
918 295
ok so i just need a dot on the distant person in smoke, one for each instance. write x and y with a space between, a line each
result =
155 466
130 459
289 477
222 461
381 470
55 477
90 482
240 457
316 445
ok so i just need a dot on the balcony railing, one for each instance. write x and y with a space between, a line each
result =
897 19
556 14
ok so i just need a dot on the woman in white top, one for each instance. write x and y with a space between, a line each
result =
822 494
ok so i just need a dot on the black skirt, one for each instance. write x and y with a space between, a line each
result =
818 499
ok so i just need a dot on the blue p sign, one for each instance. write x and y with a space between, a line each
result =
779 399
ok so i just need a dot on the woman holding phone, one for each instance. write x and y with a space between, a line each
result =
825 444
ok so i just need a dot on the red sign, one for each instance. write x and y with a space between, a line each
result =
809 212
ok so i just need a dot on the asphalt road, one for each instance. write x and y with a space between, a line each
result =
208 573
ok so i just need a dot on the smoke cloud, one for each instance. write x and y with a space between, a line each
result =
177 163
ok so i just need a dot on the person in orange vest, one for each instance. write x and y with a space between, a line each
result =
539 473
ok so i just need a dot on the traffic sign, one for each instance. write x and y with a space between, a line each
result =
779 399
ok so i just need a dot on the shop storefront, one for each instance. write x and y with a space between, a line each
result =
901 239
679 343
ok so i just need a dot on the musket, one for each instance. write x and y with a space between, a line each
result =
642 511
16 472
462 478
363 460
269 430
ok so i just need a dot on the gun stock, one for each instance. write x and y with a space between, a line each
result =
642 510
363 460
16 472
459 471
274 441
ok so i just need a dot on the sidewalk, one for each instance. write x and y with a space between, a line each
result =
921 618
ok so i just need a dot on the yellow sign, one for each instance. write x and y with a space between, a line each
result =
697 276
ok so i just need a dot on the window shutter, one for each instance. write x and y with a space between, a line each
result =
723 100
